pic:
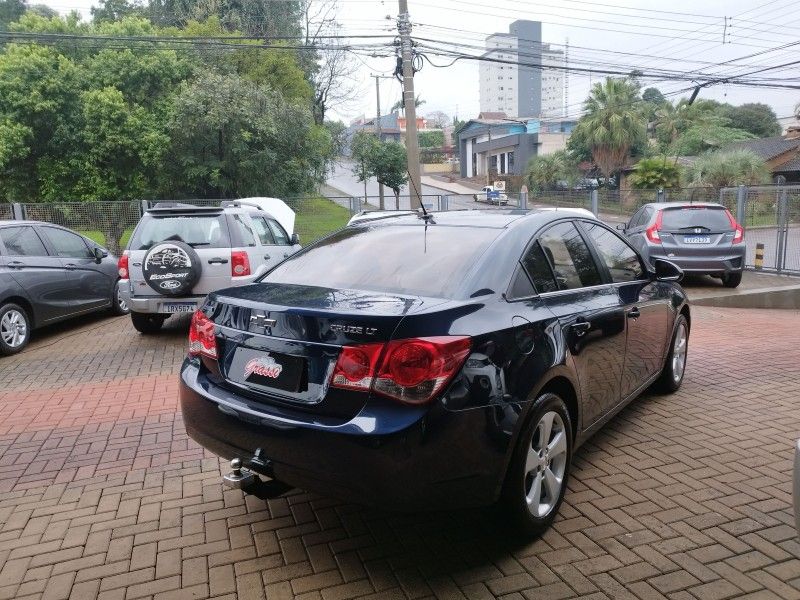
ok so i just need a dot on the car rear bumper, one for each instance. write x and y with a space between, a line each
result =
797 486
158 304
427 457
726 263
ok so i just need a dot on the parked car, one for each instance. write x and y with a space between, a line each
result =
491 195
49 273
701 238
430 372
178 253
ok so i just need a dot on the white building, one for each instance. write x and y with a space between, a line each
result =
521 91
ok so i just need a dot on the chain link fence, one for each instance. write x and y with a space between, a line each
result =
770 214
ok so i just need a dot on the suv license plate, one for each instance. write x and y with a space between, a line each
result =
178 307
697 239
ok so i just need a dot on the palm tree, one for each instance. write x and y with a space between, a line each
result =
400 104
612 124
728 168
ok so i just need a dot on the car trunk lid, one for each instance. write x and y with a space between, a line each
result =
696 230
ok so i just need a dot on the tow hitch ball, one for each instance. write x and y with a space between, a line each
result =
237 479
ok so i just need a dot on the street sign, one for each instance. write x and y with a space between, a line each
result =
500 186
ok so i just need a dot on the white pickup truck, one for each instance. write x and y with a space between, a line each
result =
491 195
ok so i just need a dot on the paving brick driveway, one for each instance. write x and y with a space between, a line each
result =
684 496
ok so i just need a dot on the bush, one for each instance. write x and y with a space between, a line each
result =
656 173
729 168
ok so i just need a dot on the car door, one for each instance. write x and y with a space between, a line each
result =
284 243
90 287
592 319
646 303
636 228
41 275
269 254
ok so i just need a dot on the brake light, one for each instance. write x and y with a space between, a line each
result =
240 263
412 371
202 341
652 231
738 230
122 265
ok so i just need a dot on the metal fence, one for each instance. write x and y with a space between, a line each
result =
771 218
770 214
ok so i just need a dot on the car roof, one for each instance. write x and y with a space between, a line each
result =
29 222
662 205
496 218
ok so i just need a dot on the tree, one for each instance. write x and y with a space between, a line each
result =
390 167
547 170
400 104
254 18
363 148
729 168
438 119
116 10
707 136
655 173
431 139
612 124
654 96
755 118
11 11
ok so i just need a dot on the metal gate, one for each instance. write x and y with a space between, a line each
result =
771 217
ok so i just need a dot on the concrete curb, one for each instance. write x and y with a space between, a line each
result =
786 297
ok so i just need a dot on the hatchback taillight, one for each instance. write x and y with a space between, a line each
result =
738 230
652 231
412 370
201 336
240 263
122 266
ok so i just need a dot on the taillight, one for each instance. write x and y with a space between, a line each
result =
240 263
122 265
652 231
412 371
738 230
201 336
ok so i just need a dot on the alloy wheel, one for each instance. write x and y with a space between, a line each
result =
13 328
546 464
123 306
679 352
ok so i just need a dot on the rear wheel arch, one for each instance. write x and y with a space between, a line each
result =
563 387
685 312
23 303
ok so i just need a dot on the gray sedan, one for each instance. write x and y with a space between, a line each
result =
701 238
49 273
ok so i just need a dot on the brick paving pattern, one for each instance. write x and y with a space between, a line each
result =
102 495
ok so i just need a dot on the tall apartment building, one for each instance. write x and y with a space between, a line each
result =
517 90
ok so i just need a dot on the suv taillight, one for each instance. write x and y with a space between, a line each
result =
652 231
738 230
201 336
240 263
122 266
412 371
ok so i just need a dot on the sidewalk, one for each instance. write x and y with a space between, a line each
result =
453 188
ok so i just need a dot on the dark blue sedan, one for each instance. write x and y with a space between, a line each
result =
446 360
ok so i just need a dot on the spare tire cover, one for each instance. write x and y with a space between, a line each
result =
171 268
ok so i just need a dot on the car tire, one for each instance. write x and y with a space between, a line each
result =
672 374
732 280
15 329
147 323
535 472
118 305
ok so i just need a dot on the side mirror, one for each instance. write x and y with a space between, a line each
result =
99 253
667 271
295 239
622 227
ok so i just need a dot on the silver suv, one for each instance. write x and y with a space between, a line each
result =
178 253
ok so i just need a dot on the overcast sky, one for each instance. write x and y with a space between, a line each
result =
684 36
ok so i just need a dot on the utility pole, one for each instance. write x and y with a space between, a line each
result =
412 142
378 78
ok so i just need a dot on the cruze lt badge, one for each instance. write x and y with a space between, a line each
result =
354 329
264 366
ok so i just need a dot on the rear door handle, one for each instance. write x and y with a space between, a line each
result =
634 313
71 266
581 327
15 264
217 261
267 257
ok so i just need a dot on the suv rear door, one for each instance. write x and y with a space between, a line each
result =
275 242
205 230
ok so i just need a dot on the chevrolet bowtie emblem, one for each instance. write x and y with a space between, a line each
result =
259 319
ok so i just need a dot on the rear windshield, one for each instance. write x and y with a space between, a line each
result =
413 260
201 231
689 217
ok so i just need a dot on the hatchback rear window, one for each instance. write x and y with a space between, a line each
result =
206 231
690 217
413 260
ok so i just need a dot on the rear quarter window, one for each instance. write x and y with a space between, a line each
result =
201 231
